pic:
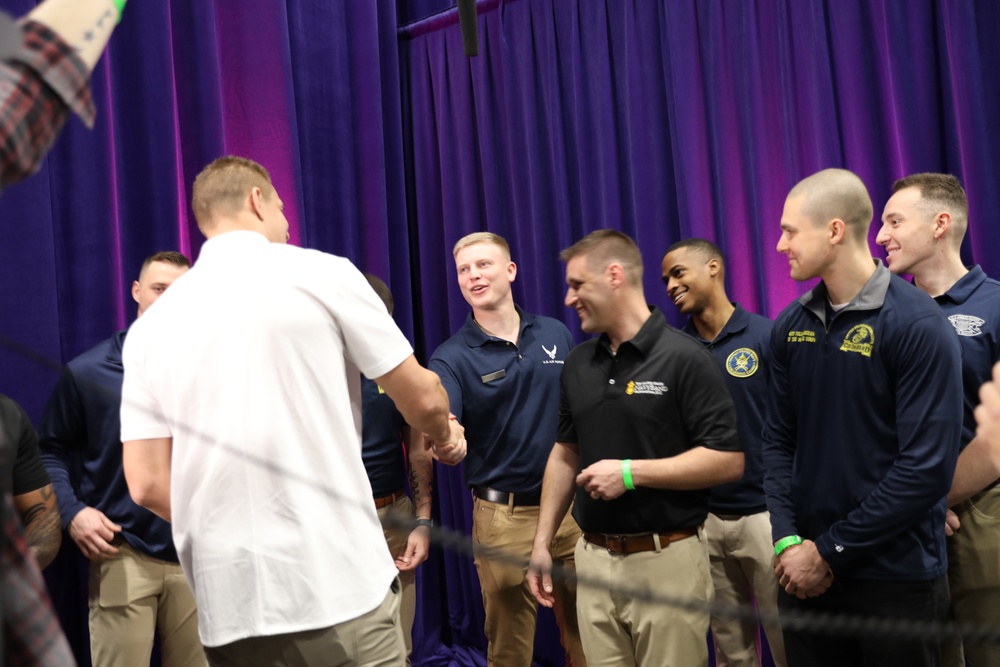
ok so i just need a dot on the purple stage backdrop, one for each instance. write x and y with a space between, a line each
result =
664 119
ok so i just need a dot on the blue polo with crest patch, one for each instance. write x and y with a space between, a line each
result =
507 398
741 348
863 427
972 306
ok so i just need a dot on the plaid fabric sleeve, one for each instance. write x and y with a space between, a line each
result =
38 88
32 635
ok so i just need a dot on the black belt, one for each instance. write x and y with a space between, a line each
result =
504 498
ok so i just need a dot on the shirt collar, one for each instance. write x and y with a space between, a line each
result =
738 321
965 286
231 242
645 339
476 337
871 296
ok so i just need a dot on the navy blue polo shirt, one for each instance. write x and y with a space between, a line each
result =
507 398
660 395
80 439
863 428
381 440
741 348
972 305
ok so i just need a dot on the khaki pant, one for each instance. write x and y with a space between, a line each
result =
619 630
974 576
742 565
396 539
131 596
511 610
371 640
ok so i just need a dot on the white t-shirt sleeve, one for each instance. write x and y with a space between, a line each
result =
141 415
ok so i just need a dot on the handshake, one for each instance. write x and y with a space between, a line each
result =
450 451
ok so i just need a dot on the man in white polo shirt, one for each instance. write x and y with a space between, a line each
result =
241 424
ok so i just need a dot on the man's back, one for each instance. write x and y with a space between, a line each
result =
255 355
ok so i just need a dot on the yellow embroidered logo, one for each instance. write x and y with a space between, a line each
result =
648 387
801 336
859 339
380 389
742 363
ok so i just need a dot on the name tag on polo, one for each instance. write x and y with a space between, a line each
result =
496 375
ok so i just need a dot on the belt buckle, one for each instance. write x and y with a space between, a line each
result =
621 540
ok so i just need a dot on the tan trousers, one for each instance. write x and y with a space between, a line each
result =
511 610
372 640
396 539
619 630
131 596
974 577
742 564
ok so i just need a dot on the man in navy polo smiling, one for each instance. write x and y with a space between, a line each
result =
923 225
501 371
738 526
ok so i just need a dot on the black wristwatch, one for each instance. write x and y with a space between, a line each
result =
424 522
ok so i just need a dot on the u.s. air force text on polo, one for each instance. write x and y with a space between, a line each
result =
506 396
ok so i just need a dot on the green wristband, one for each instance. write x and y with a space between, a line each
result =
120 4
786 542
627 475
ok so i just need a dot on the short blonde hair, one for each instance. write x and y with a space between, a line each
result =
482 237
605 246
222 187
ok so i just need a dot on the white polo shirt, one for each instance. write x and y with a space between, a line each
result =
250 362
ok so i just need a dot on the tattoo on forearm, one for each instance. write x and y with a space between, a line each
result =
42 531
420 485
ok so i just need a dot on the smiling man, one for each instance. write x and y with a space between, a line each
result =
646 427
923 225
501 371
862 434
738 526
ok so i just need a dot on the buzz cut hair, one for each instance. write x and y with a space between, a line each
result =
836 194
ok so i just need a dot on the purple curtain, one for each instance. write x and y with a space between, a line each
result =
663 119
674 119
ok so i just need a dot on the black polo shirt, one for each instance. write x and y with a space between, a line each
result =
661 395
